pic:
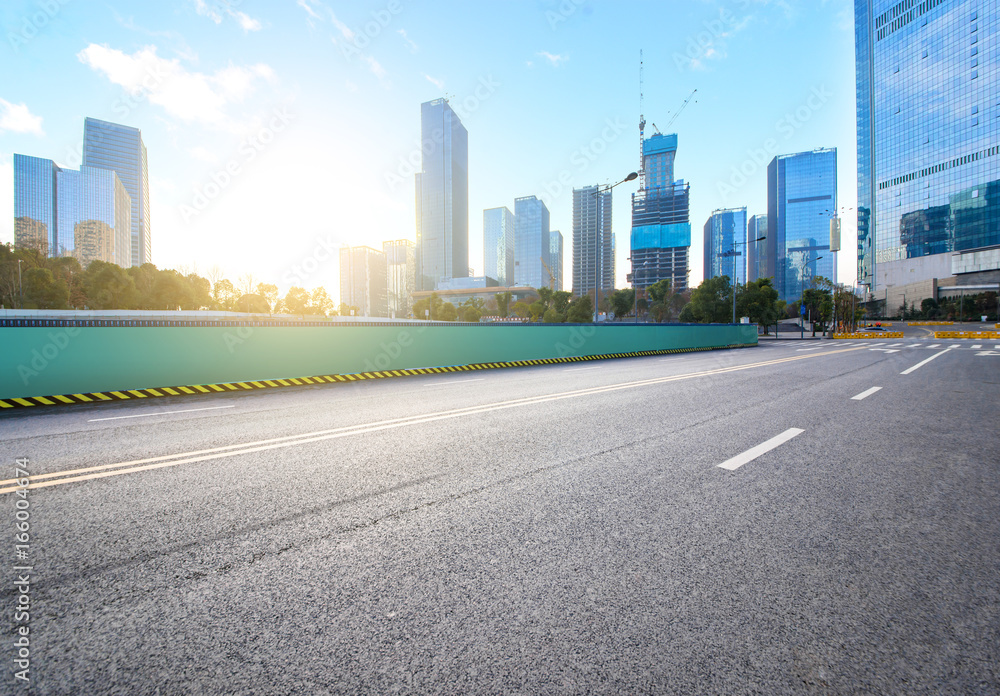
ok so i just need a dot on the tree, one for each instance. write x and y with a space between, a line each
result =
171 291
432 303
108 286
43 291
269 292
503 303
254 304
545 295
296 301
758 300
711 302
561 300
622 302
319 301
448 312
225 295
666 302
520 309
536 310
552 316
581 310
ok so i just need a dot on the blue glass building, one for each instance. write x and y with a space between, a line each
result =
35 204
498 244
725 244
442 196
756 228
556 258
928 122
661 224
531 242
120 148
593 242
801 199
62 212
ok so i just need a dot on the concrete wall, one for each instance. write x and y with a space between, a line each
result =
71 360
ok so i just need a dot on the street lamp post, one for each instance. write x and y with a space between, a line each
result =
20 287
597 240
733 253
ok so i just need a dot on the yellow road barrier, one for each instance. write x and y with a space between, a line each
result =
967 334
870 334
930 323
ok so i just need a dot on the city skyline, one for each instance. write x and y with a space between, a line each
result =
261 115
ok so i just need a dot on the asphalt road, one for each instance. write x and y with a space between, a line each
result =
558 529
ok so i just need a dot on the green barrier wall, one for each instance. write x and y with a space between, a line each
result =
71 360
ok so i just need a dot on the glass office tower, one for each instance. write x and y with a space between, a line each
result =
35 204
661 223
442 196
556 258
401 276
756 228
531 242
593 242
363 281
928 122
725 244
120 149
498 245
801 199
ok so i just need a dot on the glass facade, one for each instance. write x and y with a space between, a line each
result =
756 228
661 223
593 241
35 204
120 149
531 242
442 196
556 258
498 244
725 244
801 199
363 281
928 122
401 276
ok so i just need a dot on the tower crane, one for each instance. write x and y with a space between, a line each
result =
671 122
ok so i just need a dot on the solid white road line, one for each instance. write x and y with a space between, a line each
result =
923 362
577 369
457 381
754 452
160 413
865 394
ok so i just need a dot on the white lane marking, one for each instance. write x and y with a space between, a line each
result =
879 344
104 470
754 452
457 381
987 352
865 394
886 350
934 345
895 345
956 345
799 350
978 346
915 345
996 347
924 362
160 413
577 369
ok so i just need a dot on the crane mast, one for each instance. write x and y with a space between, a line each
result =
642 127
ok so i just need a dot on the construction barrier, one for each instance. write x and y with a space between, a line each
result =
870 335
930 323
967 334
62 365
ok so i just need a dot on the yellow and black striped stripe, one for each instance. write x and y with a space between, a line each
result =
194 389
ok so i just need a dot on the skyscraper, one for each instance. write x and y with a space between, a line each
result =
801 199
725 244
62 212
498 245
401 276
928 133
363 282
756 250
593 242
556 258
120 149
661 225
442 193
35 204
531 242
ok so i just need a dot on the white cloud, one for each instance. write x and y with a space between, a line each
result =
409 42
190 96
304 4
245 21
203 154
17 118
375 67
437 83
554 58
342 28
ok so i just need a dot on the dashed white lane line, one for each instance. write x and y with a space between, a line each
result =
865 394
895 345
763 448
915 345
160 413
457 381
577 369
978 346
799 350
934 345
924 362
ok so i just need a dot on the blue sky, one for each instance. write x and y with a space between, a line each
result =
279 130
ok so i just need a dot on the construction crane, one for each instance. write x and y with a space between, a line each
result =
552 278
642 127
680 109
